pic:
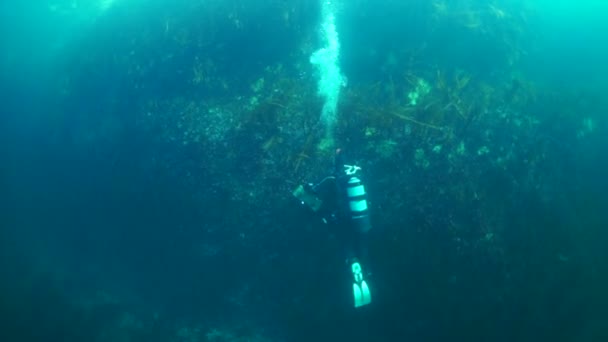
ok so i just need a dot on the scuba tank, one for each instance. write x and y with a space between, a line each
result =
357 204
353 190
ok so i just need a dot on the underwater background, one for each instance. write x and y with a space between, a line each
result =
149 150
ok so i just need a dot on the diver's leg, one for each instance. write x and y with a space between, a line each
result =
359 268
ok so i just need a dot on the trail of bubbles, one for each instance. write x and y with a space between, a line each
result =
326 61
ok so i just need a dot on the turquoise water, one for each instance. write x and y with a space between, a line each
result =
149 151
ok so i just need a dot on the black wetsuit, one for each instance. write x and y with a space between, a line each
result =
355 231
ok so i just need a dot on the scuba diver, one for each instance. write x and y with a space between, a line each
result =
340 199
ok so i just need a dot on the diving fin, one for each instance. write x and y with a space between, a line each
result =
362 295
